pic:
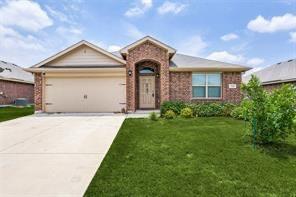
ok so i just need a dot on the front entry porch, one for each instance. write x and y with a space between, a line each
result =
147 86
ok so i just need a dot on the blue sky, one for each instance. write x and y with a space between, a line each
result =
248 32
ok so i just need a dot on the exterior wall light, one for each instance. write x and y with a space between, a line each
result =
130 72
157 74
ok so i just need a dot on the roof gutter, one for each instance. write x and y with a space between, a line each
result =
16 80
279 81
84 70
206 69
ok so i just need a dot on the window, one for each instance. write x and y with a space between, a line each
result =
146 70
206 85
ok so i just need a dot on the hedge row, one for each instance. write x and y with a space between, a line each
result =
199 110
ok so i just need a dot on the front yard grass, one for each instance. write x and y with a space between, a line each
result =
189 157
8 113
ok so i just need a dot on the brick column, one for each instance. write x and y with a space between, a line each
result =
232 95
38 91
165 80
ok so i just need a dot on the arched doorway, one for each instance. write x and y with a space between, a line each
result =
147 86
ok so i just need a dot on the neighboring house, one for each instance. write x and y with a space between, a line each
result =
274 76
15 83
86 78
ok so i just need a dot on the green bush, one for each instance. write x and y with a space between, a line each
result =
207 109
153 116
273 112
175 106
242 111
186 113
169 114
227 109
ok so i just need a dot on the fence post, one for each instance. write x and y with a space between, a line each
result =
254 128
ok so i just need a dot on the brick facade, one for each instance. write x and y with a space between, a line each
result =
181 87
38 91
146 51
228 94
11 90
271 87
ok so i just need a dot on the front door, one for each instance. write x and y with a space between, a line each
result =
147 92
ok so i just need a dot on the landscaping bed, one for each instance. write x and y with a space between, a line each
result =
189 157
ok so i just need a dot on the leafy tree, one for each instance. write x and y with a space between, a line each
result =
273 112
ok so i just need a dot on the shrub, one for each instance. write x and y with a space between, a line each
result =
207 109
153 116
175 106
273 113
242 111
169 114
227 109
186 113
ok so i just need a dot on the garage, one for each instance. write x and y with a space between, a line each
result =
85 94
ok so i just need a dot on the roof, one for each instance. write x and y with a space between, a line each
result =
187 63
150 39
277 73
12 72
82 42
178 62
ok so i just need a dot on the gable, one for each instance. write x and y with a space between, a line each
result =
169 49
83 56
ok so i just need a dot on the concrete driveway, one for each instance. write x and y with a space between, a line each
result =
53 155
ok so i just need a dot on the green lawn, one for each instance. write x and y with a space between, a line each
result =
8 113
204 156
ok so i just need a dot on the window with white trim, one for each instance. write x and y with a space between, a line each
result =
206 85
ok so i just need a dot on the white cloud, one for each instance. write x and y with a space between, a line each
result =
57 14
171 7
225 56
25 14
293 37
133 32
193 46
18 48
113 48
276 23
255 61
65 31
230 36
140 8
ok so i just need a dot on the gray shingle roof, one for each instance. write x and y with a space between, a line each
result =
186 61
12 72
277 73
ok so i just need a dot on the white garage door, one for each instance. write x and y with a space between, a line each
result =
92 94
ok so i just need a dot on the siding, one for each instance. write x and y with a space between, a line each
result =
83 56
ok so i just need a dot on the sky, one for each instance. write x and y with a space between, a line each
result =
256 33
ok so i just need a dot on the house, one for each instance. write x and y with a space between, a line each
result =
274 76
15 83
142 75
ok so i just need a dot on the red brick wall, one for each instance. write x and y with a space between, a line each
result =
12 90
231 95
152 52
38 91
271 87
181 87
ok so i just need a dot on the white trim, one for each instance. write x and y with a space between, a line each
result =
82 42
206 86
148 38
16 80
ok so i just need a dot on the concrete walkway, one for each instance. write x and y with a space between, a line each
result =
53 155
